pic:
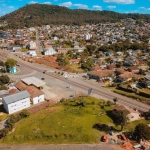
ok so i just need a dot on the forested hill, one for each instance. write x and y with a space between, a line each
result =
42 14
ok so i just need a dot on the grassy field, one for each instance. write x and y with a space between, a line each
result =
67 122
3 114
130 126
75 68
63 123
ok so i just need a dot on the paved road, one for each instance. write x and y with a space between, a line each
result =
62 147
79 84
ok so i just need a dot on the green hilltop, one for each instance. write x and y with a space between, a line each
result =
42 14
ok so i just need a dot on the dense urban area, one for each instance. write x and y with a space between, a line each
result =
76 84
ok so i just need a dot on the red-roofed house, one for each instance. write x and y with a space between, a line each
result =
37 96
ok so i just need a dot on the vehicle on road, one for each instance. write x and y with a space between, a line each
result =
71 95
68 86
42 78
44 71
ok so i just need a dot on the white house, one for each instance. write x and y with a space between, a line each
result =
16 102
32 53
87 36
32 29
56 38
32 45
36 95
49 51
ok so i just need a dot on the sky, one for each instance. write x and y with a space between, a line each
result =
121 6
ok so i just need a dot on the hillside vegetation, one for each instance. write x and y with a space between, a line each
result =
42 14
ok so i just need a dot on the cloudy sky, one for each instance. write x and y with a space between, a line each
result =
122 6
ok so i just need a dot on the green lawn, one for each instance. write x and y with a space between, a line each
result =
62 123
130 126
3 114
67 122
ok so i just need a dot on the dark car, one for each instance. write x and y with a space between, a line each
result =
42 78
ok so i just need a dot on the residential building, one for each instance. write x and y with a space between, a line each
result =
36 95
16 102
49 51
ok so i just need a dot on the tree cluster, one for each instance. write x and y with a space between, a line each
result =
142 131
42 14
62 60
123 46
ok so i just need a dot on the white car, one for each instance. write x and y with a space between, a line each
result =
68 86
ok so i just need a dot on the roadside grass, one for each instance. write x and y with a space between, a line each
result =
132 95
65 122
75 68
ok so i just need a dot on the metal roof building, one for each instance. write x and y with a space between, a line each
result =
16 97
33 81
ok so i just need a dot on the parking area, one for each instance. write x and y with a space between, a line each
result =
57 93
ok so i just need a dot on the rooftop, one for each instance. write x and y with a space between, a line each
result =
33 81
15 97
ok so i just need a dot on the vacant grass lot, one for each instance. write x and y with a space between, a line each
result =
67 122
3 114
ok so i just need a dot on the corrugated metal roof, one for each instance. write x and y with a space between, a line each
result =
33 81
16 97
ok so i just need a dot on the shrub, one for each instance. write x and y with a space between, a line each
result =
11 121
24 114
4 132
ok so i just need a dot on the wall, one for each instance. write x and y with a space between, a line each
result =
38 99
19 105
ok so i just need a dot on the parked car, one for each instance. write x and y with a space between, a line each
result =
104 138
71 95
42 78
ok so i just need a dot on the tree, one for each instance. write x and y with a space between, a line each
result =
120 118
17 42
25 113
142 131
4 79
4 132
62 60
70 54
108 59
1 63
87 65
10 63
115 100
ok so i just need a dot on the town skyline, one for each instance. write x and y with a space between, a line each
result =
120 6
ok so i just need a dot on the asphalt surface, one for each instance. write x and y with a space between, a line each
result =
62 147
